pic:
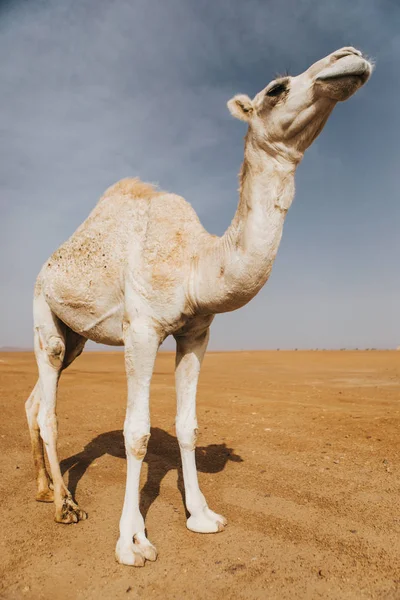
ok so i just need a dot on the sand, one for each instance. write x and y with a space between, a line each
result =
298 450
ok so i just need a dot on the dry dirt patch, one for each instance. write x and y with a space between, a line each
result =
299 450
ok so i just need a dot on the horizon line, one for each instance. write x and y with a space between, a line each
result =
17 350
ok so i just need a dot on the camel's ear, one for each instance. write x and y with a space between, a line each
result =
241 107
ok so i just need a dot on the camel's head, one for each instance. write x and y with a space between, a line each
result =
286 116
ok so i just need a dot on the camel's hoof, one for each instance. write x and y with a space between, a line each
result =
145 547
206 521
70 512
45 496
129 554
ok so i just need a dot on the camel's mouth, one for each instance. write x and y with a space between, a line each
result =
340 80
350 65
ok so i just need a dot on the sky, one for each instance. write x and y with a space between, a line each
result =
97 90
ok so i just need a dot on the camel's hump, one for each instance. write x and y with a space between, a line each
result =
134 187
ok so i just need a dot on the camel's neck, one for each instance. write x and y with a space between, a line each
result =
242 259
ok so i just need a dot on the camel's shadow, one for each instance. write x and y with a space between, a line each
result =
162 456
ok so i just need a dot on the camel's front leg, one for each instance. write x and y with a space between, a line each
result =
141 345
189 356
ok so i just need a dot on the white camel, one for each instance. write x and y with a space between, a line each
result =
142 267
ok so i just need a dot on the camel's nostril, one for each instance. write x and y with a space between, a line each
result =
348 51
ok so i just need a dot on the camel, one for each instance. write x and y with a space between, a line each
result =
141 267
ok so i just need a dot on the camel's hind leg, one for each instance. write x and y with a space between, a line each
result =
51 355
74 346
44 484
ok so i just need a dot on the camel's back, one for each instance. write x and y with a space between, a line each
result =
134 228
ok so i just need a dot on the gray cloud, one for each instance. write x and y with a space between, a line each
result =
94 91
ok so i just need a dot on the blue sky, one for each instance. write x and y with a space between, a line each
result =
96 90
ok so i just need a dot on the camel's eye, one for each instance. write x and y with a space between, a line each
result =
276 89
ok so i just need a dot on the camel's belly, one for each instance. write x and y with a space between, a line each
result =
93 310
93 322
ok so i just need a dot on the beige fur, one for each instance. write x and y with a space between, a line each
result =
131 186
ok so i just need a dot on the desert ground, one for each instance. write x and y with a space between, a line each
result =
299 450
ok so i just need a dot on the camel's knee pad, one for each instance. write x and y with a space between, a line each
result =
136 444
53 346
187 437
55 349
